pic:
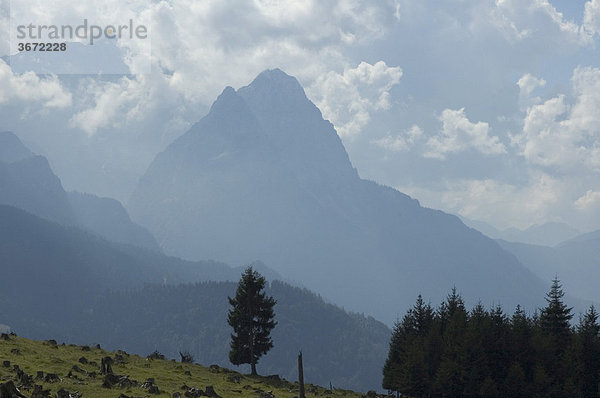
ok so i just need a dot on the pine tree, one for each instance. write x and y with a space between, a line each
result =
522 352
554 340
515 383
252 318
406 369
423 317
477 336
556 316
391 368
450 376
589 336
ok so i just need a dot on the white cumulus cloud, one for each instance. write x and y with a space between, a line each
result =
588 200
459 134
528 83
29 87
501 203
566 136
347 99
591 17
402 142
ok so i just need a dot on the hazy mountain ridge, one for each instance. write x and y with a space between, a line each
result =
42 253
108 218
263 176
547 234
594 235
28 182
576 262
12 149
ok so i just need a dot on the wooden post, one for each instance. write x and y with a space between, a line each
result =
301 375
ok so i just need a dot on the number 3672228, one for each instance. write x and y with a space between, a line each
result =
42 46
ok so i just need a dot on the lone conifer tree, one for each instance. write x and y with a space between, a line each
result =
556 316
252 318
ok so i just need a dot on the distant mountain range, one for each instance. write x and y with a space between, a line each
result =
576 262
64 283
264 176
547 234
28 182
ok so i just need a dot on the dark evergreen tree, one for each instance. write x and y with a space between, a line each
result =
555 318
450 377
405 369
477 335
522 355
498 345
515 385
422 315
554 339
252 318
391 368
589 353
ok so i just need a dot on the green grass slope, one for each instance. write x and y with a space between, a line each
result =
83 376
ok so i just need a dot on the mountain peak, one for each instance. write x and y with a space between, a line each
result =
12 149
275 77
227 101
274 83
264 176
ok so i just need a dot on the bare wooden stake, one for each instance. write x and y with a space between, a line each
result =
301 375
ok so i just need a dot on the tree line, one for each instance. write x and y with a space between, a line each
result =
452 352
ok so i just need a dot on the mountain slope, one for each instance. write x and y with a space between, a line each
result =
81 288
108 218
263 176
12 149
67 263
576 262
28 182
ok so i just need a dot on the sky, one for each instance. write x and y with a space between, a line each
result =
489 109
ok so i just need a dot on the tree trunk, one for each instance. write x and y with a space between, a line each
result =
252 359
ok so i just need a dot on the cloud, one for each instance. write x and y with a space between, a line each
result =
486 199
30 88
4 27
528 83
459 134
588 200
347 99
591 17
110 99
212 44
130 103
539 19
402 142
562 135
